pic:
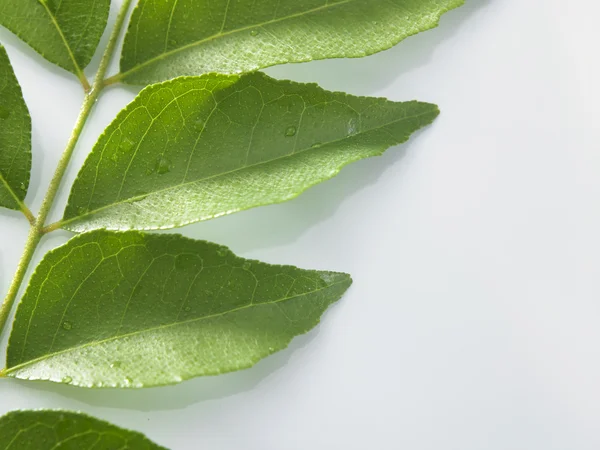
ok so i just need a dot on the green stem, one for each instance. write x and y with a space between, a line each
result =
37 229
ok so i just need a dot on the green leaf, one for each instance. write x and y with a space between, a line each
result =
65 32
137 310
193 149
63 430
170 38
15 138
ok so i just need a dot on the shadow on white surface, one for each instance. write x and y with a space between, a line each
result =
282 224
370 75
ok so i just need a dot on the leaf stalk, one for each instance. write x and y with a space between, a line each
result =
38 229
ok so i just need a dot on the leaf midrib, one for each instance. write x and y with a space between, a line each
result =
228 33
64 40
200 180
10 370
11 191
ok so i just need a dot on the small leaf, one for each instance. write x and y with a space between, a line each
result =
15 138
64 430
196 148
65 32
135 310
170 38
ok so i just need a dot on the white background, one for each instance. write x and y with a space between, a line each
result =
474 319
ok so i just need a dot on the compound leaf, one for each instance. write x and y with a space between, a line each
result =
15 138
171 38
136 310
64 430
196 148
65 32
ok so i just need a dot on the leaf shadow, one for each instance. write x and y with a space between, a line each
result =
282 224
179 396
365 76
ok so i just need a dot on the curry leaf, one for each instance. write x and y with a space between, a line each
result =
15 138
170 38
196 148
137 310
65 32
53 430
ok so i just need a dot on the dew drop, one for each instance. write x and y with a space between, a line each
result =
172 42
67 325
138 198
4 113
221 252
81 211
22 186
187 308
128 381
67 380
271 349
163 165
316 145
352 127
126 144
291 131
116 365
199 125
254 33
246 265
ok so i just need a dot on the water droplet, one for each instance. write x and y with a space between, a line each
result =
4 113
126 144
128 381
81 211
67 380
328 277
316 145
199 125
67 326
254 33
291 131
116 365
163 165
247 265
271 349
222 251
187 308
22 186
138 198
352 127
172 42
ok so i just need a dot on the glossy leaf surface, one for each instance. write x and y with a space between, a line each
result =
15 138
196 148
137 310
65 32
170 38
63 430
